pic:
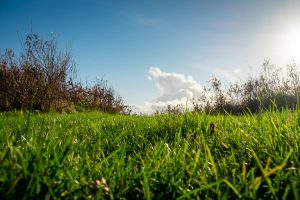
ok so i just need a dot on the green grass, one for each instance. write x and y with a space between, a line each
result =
101 156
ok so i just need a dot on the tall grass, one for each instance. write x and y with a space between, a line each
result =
93 155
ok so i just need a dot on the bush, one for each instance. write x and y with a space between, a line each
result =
40 79
267 90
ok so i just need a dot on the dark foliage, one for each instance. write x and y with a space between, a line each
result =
40 79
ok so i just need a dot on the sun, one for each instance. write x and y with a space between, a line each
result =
291 43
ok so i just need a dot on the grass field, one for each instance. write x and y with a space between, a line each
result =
94 155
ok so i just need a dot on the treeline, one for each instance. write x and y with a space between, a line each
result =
42 78
272 88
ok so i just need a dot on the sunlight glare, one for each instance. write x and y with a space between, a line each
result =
291 43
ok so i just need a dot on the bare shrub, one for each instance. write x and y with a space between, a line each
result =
40 79
98 96
268 90
37 79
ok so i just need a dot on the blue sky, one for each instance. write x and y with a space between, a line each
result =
150 49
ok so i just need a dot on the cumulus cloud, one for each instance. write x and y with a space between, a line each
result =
175 89
174 86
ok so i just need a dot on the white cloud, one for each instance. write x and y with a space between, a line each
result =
175 89
174 86
237 71
148 77
151 107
